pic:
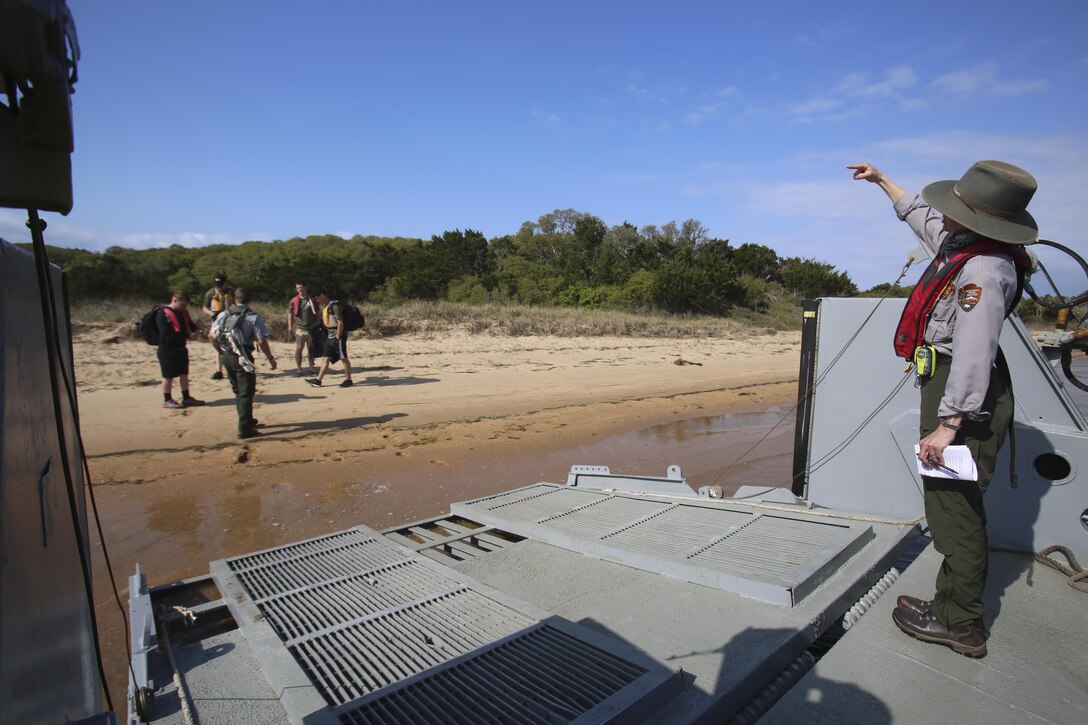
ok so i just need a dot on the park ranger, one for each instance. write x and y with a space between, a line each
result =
976 227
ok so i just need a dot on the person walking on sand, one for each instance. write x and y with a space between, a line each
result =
336 342
976 227
176 328
235 334
217 299
301 319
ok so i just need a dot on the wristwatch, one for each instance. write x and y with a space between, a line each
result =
950 426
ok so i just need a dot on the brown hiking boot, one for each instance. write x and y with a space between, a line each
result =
966 639
914 605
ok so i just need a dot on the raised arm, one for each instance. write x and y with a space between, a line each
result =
868 172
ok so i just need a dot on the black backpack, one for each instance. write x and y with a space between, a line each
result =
147 327
353 316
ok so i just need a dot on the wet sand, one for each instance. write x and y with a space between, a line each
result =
431 420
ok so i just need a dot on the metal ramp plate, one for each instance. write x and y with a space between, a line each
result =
773 556
354 628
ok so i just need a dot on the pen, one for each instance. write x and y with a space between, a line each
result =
944 469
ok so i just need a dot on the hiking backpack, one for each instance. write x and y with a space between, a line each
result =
230 337
353 316
147 327
230 331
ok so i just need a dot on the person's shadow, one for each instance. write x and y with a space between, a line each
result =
310 426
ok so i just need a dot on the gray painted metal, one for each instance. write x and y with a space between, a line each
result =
543 674
775 557
1034 672
343 621
728 646
872 469
45 631
601 477
144 639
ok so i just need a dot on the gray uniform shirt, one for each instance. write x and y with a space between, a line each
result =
252 327
966 321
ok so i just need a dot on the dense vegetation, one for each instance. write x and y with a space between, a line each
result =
565 258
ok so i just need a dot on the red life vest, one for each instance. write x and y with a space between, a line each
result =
296 305
912 324
175 320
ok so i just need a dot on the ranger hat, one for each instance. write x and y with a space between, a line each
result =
990 199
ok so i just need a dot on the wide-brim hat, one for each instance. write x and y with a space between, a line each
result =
990 199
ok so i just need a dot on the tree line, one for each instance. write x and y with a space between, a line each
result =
565 257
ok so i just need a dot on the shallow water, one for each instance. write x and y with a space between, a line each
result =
731 450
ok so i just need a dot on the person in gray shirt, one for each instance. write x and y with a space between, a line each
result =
235 334
977 225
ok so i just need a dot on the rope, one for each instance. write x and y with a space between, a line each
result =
188 712
774 507
1078 575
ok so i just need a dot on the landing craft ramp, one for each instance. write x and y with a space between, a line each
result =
764 554
353 628
462 620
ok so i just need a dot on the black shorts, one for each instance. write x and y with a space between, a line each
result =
173 361
335 349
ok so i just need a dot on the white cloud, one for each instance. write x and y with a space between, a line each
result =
816 106
711 105
971 80
63 233
548 120
645 94
1019 88
894 82
984 79
857 94
826 34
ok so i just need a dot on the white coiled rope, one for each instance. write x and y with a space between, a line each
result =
869 599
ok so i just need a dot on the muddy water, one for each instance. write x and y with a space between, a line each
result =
730 450
174 529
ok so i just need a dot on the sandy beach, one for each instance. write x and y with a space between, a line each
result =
431 419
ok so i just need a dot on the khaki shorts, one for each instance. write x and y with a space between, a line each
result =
302 340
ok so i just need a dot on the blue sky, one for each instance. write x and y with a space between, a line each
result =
200 122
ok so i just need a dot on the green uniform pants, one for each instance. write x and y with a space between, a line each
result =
244 386
954 509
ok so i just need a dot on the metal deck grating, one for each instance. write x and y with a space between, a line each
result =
274 572
312 609
775 558
542 675
605 515
552 503
356 660
680 530
771 546
350 618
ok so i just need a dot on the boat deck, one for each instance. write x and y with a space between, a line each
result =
1035 670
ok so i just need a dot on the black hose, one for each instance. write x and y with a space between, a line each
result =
1079 299
1067 368
49 315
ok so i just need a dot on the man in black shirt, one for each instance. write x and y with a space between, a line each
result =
175 328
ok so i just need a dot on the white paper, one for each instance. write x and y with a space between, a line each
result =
958 458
